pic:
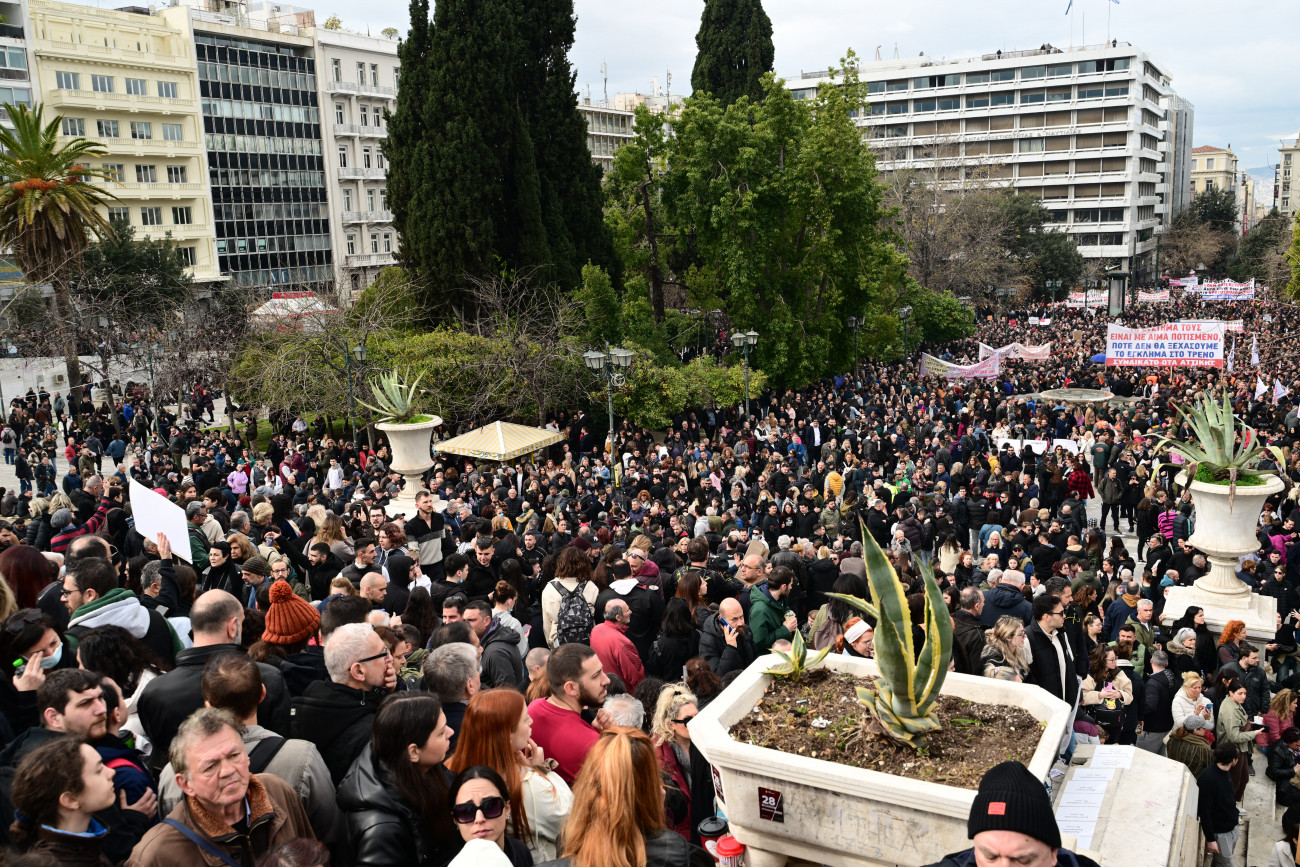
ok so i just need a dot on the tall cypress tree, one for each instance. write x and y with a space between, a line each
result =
734 49
406 147
473 203
570 182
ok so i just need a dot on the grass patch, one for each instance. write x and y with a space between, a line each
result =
1204 475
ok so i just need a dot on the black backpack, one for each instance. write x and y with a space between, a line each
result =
574 621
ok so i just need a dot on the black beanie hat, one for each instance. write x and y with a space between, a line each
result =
1010 799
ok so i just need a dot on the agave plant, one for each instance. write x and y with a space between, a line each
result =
1215 448
903 698
796 661
394 396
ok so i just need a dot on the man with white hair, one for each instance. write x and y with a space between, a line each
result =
451 673
337 715
1006 598
626 710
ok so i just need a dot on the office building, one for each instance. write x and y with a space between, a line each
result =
1177 128
1284 196
358 82
15 78
1078 128
608 129
262 126
126 79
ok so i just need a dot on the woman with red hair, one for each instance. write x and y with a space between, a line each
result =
27 573
1234 633
497 732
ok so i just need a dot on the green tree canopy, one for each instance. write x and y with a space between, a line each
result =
733 50
146 274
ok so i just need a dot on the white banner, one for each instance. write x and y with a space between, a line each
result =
1091 298
1236 325
1018 351
1157 295
1179 344
1227 290
1069 445
986 369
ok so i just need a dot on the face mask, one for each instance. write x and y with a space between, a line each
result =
51 661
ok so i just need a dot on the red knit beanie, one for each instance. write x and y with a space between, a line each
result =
289 619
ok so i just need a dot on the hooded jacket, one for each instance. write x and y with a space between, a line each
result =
767 617
338 720
501 664
1005 599
647 606
167 700
121 607
383 828
319 577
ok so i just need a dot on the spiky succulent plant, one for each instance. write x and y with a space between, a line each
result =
902 699
394 393
796 661
1214 447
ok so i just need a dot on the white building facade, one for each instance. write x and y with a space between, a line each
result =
1081 129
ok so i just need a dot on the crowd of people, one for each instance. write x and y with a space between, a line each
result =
508 673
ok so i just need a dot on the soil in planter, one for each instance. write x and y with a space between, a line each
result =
974 736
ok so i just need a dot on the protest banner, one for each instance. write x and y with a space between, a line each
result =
1034 320
1017 350
1069 445
986 369
1236 325
156 514
1157 295
1178 344
1227 290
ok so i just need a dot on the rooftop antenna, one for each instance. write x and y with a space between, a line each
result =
604 74
878 52
668 88
895 50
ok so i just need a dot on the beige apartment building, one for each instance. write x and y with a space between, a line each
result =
127 80
1213 168
1285 198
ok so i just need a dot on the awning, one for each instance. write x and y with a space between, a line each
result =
499 441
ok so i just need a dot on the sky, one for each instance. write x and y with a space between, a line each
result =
1232 60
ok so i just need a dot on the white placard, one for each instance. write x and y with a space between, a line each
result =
1081 799
1082 830
156 514
1093 774
1038 446
1069 445
1076 814
1087 787
1112 757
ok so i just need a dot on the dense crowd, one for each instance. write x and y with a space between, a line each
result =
508 673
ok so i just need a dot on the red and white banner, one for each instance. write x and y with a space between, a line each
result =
1157 295
1189 282
1178 344
1227 290
1236 325
1091 298
986 369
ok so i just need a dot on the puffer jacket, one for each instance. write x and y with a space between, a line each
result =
501 664
384 829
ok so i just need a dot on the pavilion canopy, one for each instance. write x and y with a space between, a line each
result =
499 441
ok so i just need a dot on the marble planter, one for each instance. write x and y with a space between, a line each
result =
1225 533
409 445
788 806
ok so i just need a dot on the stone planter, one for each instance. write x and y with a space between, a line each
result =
409 444
1225 534
782 805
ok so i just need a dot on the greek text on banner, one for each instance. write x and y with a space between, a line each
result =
1179 344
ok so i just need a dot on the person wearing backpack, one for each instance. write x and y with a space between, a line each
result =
569 600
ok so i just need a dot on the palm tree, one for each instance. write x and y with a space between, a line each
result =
49 211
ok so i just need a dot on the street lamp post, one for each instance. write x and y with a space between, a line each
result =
1052 287
856 322
604 364
745 341
904 314
359 351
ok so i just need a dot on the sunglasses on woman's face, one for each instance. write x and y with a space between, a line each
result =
466 813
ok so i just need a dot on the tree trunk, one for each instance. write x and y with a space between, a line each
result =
63 304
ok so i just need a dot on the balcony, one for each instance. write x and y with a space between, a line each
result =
358 88
352 173
11 31
346 129
361 260
373 131
367 216
157 190
150 146
121 101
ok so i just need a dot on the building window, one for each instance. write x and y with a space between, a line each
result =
101 83
338 112
1059 70
374 74
182 216
397 76
352 245
365 116
13 58
388 242
1031 145
173 132
1031 96
1209 164
1209 184
361 72
74 126
107 128
168 90
151 216
1117 90
951 103
923 105
383 198
141 129
379 157
978 101
370 200
365 158
176 175
343 157
67 80
146 174
1033 72
1007 98
374 242
119 215
336 67
187 253
347 200
116 171
137 87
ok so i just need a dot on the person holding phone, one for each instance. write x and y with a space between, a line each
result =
725 642
1235 727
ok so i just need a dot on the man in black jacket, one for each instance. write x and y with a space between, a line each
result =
725 642
968 632
1216 804
337 715
1052 666
217 620
1284 765
1157 704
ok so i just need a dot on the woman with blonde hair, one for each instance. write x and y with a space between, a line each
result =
329 531
1006 653
241 548
618 809
497 732
1280 716
674 710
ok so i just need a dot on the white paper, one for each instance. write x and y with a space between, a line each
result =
1077 814
1078 829
1093 774
1082 844
1081 799
1087 787
156 514
1112 757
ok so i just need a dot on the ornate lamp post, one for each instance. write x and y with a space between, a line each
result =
604 365
745 341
